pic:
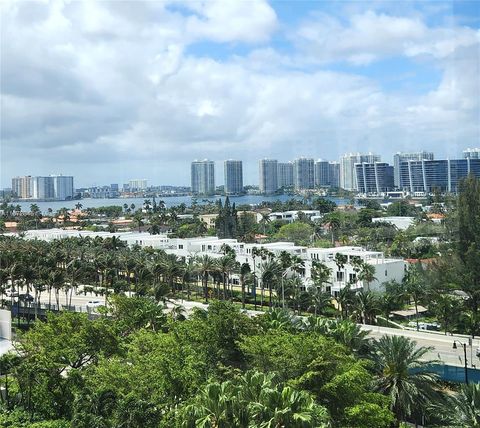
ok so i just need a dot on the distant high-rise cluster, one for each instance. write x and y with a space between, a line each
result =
411 172
53 187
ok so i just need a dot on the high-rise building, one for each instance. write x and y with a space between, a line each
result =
268 176
285 174
54 187
471 153
63 187
327 173
375 177
402 157
138 184
348 180
233 174
426 176
203 177
334 173
303 173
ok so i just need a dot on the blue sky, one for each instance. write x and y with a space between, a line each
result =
109 91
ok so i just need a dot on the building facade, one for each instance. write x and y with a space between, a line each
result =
304 173
137 185
233 175
203 177
348 179
285 174
400 157
334 174
322 173
426 176
471 153
54 187
268 176
374 178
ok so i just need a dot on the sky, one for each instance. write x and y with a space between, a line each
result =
108 91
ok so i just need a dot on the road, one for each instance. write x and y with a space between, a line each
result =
442 344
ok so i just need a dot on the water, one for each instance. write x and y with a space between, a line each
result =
169 201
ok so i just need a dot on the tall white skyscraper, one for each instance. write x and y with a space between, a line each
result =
268 176
303 173
285 174
348 180
63 187
233 175
400 157
203 177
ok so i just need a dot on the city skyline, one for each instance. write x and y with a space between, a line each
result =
114 90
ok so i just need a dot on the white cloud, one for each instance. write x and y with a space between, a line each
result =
115 83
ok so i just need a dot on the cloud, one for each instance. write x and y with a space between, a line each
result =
370 36
105 90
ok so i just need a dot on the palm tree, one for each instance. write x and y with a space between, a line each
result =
225 266
171 269
319 299
402 374
366 305
270 272
366 274
345 298
244 272
461 409
35 210
206 266
415 287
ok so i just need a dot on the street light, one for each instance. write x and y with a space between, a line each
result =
465 356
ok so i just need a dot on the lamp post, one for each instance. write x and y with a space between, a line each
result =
465 356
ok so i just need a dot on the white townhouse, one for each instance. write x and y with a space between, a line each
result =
386 269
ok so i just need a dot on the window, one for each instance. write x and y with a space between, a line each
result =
386 273
180 247
339 276
352 277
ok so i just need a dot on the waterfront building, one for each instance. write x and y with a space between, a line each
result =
400 157
233 175
54 187
374 178
334 174
203 177
471 153
63 187
348 179
322 173
425 176
268 176
137 185
285 174
303 173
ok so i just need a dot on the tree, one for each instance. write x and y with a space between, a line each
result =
462 408
415 287
206 266
298 232
402 374
366 306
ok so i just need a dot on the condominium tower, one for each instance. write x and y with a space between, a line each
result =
374 178
285 174
203 177
399 157
268 176
233 175
137 184
303 173
348 180
426 176
471 153
53 187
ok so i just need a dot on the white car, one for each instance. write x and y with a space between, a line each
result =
94 304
